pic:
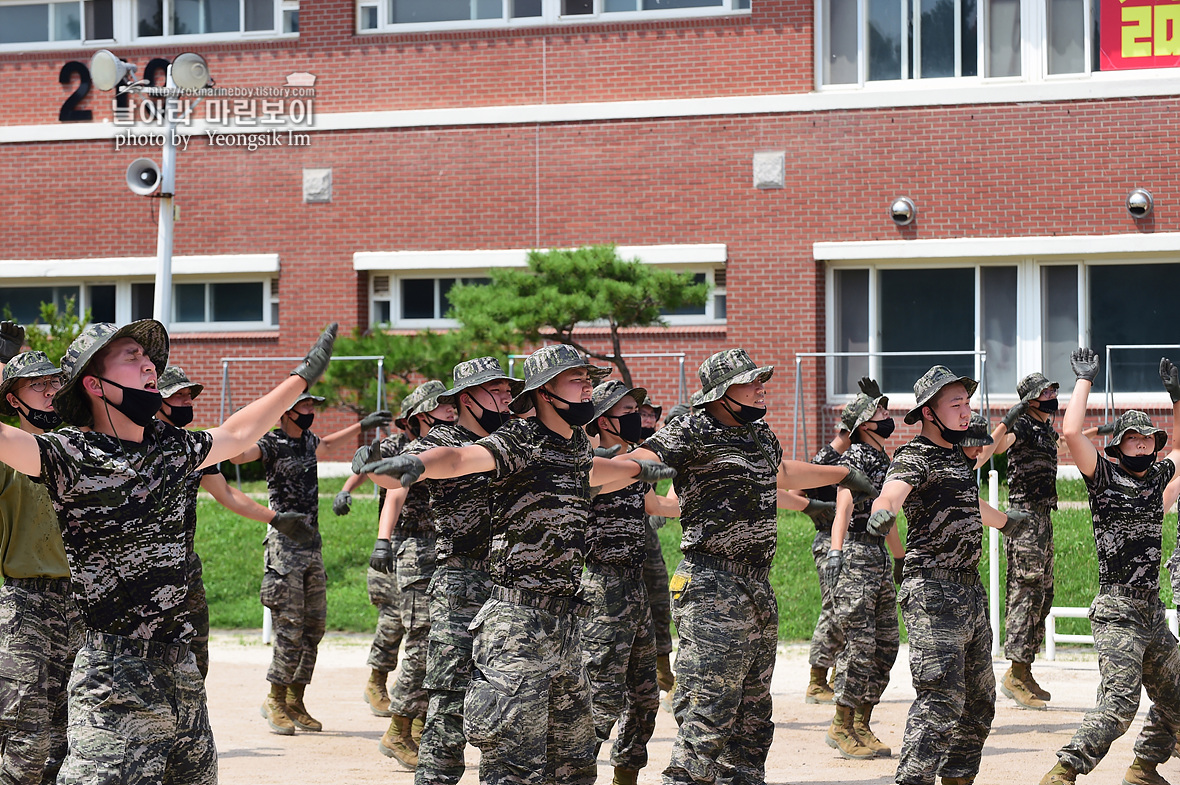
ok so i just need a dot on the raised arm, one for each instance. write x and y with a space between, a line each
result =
20 451
234 500
251 454
1171 377
437 463
1085 455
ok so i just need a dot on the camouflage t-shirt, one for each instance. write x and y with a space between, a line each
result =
1032 464
192 484
292 477
726 479
617 531
121 507
825 493
944 527
391 446
540 504
1128 514
875 464
458 508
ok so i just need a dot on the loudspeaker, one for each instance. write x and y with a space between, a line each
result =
143 176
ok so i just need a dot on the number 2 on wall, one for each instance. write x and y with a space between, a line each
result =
70 113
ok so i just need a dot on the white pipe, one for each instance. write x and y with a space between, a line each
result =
993 550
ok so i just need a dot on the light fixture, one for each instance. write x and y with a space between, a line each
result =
190 72
903 211
107 71
1140 203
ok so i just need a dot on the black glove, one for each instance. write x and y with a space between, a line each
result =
830 572
870 387
316 361
12 338
381 559
653 471
1014 414
406 469
898 569
293 525
880 523
607 452
342 504
378 419
823 513
1171 377
1084 362
1106 429
1016 523
862 489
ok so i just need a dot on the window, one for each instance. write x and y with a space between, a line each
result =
72 21
24 302
219 302
713 309
413 300
203 17
398 15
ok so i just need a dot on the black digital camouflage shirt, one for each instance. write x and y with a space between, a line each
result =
192 485
457 508
825 493
944 526
1128 515
617 532
540 504
292 477
726 479
391 446
875 464
1032 464
121 507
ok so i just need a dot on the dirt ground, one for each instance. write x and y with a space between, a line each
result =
1021 747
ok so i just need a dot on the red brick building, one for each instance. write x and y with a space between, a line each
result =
759 143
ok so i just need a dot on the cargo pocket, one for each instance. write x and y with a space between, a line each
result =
492 709
932 599
930 667
274 590
18 678
95 755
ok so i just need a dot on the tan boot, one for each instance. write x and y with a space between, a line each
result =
860 725
417 725
842 738
818 690
298 712
397 743
1176 746
1061 774
958 781
1036 689
624 777
666 700
1013 685
274 711
377 694
665 680
1142 772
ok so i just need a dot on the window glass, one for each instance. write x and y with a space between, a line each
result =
1125 309
291 19
998 314
100 23
24 23
368 17
840 63
968 39
938 38
260 15
577 7
150 17
660 5
688 310
67 22
885 32
418 298
235 302
411 11
190 302
24 302
925 310
142 300
525 8
719 306
851 328
1066 21
444 291
1003 38
1059 320
101 302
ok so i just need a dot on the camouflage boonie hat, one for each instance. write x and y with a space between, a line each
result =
978 434
306 396
676 411
547 362
860 411
928 386
1138 422
473 373
649 403
1033 385
607 395
724 369
173 380
428 398
28 365
70 401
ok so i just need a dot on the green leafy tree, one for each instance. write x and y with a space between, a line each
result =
55 329
562 289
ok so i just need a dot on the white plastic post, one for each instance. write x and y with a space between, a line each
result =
267 625
1051 636
993 556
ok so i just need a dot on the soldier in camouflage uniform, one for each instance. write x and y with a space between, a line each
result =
408 510
528 705
941 597
294 586
40 629
1026 434
137 711
859 572
730 467
655 569
1131 637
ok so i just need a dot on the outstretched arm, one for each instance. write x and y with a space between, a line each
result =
20 451
1083 451
437 463
234 500
654 504
1171 377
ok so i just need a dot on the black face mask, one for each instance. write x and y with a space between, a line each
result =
630 426
488 419
647 431
303 421
45 421
1137 463
745 414
1048 407
578 414
948 436
139 406
883 428
180 416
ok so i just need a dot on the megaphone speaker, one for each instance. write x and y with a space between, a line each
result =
190 72
143 176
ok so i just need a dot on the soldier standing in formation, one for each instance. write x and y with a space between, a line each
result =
655 569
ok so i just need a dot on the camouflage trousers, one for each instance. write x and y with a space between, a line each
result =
619 652
866 610
655 577
951 665
387 638
416 559
197 606
1029 586
728 626
294 587
528 705
828 638
456 595
134 720
1135 649
40 632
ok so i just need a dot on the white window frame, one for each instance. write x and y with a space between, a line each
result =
64 43
132 7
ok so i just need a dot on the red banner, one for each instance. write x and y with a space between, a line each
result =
1139 34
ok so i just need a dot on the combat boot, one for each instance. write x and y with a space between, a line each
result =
665 680
376 693
1142 772
625 776
274 711
298 712
860 724
1176 746
842 738
666 700
1013 685
958 781
397 743
417 725
1036 689
818 690
1061 774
